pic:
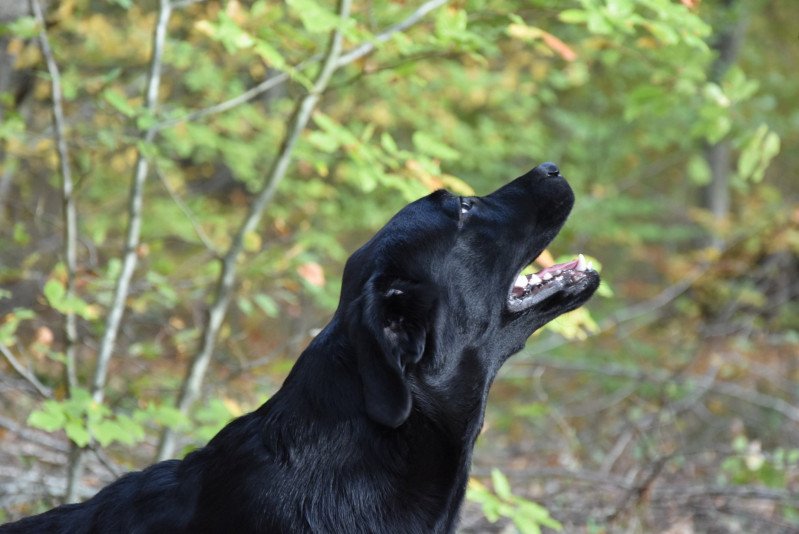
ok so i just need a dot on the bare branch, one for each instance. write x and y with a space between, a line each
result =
134 210
703 385
43 390
216 314
738 492
367 48
67 198
179 4
201 235
135 201
42 439
273 81
661 492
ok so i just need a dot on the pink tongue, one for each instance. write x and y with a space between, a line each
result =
558 267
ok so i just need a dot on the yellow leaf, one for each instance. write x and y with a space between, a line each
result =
252 242
233 407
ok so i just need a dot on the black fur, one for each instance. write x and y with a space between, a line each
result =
374 427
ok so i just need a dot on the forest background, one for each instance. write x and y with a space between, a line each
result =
182 180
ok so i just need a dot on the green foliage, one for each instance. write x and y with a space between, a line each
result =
10 323
527 516
750 464
83 419
23 27
757 154
58 298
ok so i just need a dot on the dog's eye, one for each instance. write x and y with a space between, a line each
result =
466 204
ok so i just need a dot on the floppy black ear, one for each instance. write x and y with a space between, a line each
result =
388 325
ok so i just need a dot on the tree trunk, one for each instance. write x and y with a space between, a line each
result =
729 37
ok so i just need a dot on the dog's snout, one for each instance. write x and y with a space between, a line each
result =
549 169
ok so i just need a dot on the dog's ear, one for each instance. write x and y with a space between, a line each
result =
389 324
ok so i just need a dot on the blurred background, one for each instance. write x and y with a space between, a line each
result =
181 183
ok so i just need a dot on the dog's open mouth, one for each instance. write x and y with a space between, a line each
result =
530 289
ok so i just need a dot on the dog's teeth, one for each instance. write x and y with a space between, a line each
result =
521 281
535 279
546 276
590 266
581 264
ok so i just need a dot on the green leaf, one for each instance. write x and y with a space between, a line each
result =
54 292
57 298
119 102
125 4
388 144
501 484
451 24
323 141
147 149
245 305
341 134
270 54
267 305
427 144
161 414
757 154
122 429
314 17
49 418
698 170
23 27
20 235
10 323
77 432
573 16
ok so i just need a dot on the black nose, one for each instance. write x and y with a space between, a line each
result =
549 168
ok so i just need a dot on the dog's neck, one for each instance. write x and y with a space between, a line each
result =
427 457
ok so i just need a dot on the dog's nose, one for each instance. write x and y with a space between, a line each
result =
549 168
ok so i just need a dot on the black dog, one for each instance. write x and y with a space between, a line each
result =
374 428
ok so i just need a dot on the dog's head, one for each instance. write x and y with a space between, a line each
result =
436 299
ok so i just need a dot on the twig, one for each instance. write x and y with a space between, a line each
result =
728 389
134 210
598 478
189 215
68 200
662 492
135 201
738 492
641 490
216 314
39 438
273 81
40 388
367 48
180 4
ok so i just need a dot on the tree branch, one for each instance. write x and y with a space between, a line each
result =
216 313
135 201
40 388
273 81
367 48
728 389
198 229
134 210
67 198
